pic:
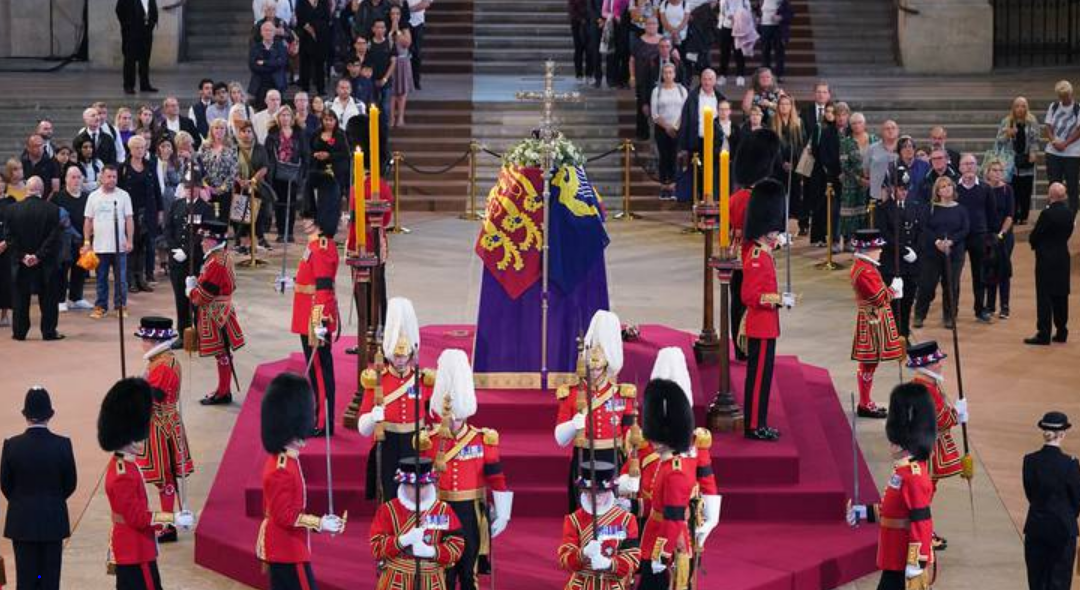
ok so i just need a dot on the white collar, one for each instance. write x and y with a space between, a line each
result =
862 256
427 498
606 501
935 376
965 185
214 249
160 348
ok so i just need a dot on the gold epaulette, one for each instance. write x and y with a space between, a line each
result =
323 243
428 377
121 467
628 391
702 438
282 460
915 469
756 251
676 464
562 392
369 378
491 436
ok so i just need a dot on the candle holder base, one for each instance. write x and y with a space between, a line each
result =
707 348
473 216
399 229
251 263
693 229
724 415
626 216
829 265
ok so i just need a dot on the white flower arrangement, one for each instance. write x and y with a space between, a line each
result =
529 153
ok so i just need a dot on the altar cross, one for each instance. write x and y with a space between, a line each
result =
549 98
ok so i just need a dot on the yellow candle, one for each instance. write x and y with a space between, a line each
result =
707 185
358 201
373 149
725 200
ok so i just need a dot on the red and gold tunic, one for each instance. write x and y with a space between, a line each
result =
904 518
945 461
618 537
399 397
650 463
284 535
397 566
472 463
213 298
612 411
166 455
667 530
132 540
760 293
876 336
314 300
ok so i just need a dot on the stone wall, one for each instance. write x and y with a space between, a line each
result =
950 37
105 35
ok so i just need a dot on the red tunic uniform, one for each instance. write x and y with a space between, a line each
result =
398 397
132 540
313 296
617 534
612 412
285 529
904 517
876 336
213 297
760 293
667 530
472 464
737 206
650 463
945 461
166 454
398 566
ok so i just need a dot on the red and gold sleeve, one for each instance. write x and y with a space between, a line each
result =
629 556
672 506
451 544
165 378
706 478
285 501
570 558
567 398
758 288
493 467
209 283
917 493
128 499
871 288
383 535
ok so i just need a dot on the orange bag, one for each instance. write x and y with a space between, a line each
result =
88 261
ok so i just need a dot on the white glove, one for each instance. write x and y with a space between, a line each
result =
504 505
782 240
787 300
591 549
856 513
378 414
912 571
628 486
961 408
910 256
657 567
331 523
423 550
414 535
712 517
579 421
321 333
599 563
179 255
189 285
897 286
624 503
185 519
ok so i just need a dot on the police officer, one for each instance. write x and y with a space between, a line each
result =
1052 486
900 221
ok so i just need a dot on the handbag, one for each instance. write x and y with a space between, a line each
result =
287 172
805 167
88 261
240 208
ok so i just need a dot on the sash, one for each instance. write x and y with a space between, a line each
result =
460 444
397 393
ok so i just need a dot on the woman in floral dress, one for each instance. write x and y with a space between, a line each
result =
854 197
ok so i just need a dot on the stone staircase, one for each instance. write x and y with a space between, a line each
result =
217 30
448 47
852 37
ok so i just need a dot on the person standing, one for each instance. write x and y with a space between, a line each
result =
1063 147
1000 272
1018 135
185 251
824 145
877 339
417 12
665 107
1052 487
72 199
692 121
37 476
33 235
729 10
1050 241
268 60
901 220
942 243
138 18
313 24
978 200
139 181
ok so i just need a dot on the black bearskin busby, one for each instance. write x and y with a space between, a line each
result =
912 421
757 157
125 414
288 411
765 210
668 418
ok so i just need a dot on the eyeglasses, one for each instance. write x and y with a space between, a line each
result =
937 157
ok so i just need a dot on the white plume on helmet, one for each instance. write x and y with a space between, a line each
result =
605 331
454 378
671 365
400 322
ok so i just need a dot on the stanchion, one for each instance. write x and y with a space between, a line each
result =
626 214
253 260
829 264
397 228
870 209
471 214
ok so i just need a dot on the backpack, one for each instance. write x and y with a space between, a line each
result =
1076 108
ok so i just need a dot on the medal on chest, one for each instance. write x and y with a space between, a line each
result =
471 452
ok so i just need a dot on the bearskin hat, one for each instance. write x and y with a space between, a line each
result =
912 421
668 418
288 411
756 157
125 414
765 210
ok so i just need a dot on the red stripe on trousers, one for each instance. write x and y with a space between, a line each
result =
757 384
320 388
148 580
301 574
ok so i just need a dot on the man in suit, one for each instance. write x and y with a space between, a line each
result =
172 122
268 60
37 475
811 114
100 137
1052 487
1050 241
938 137
33 235
691 139
137 21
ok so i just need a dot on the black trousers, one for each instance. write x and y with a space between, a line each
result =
643 95
292 576
177 274
1049 564
759 370
327 199
1004 284
143 576
1066 171
932 275
738 310
817 203
416 54
667 148
385 456
43 279
465 573
72 278
1051 310
579 31
772 42
322 382
901 308
1022 188
37 564
976 251
650 581
892 580
727 46
285 207
313 68
592 51
618 57
137 56
798 210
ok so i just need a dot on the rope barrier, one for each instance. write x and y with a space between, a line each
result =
617 148
491 153
444 170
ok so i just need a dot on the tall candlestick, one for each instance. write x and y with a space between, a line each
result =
725 200
358 201
709 138
373 149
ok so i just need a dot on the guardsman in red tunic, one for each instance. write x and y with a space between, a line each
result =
287 418
166 457
905 546
397 541
604 556
762 233
123 425
668 543
946 460
218 329
467 461
316 317
613 404
876 337
388 410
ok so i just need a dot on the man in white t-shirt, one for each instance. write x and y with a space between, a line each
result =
1063 149
261 120
105 208
417 8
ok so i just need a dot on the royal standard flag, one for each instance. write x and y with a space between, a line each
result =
578 236
511 237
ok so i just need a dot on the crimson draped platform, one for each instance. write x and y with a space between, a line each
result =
781 528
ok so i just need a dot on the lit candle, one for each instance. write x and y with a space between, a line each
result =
725 200
373 149
707 185
358 201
